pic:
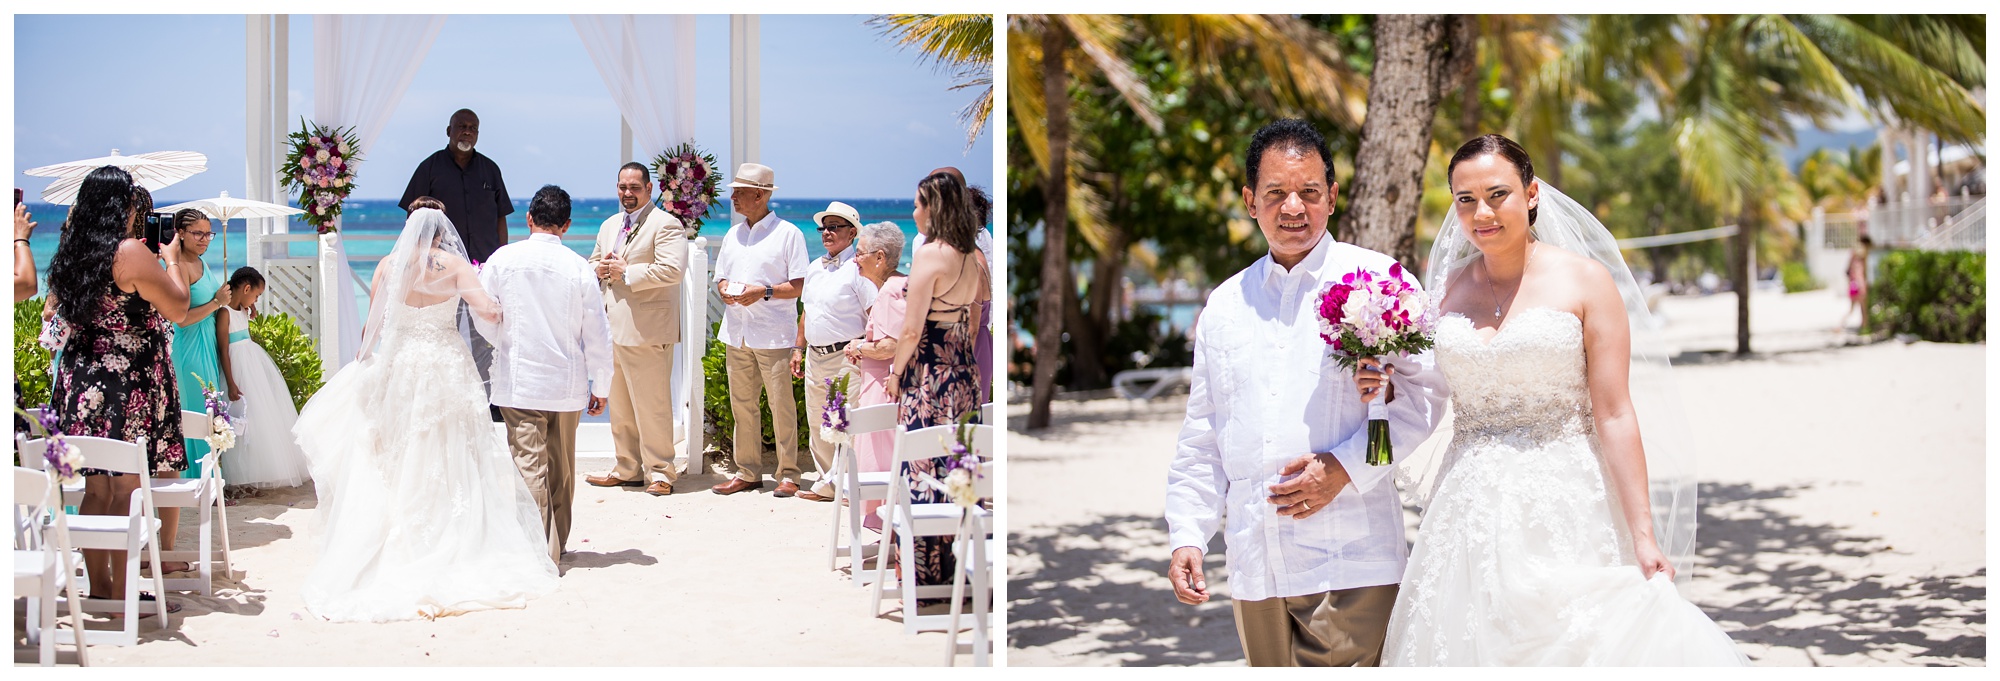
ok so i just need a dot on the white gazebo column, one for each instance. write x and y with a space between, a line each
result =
744 117
257 119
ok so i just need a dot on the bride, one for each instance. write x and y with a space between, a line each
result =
1538 543
423 513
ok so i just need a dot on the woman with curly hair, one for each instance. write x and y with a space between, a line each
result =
117 379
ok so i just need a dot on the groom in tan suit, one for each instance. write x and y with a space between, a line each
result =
639 259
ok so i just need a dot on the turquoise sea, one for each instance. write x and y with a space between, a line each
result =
381 217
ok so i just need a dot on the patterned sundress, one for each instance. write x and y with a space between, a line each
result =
115 379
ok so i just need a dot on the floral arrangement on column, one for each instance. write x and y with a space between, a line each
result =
688 181
319 168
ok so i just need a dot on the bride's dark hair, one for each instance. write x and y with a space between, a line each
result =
1500 146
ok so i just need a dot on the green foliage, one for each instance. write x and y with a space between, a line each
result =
1938 297
721 429
31 360
293 351
1797 278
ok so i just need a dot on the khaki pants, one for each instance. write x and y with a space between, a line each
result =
752 371
642 412
544 444
1333 629
820 367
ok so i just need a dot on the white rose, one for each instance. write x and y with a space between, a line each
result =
321 156
344 149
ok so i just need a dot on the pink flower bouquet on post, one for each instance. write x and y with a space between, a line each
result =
1369 315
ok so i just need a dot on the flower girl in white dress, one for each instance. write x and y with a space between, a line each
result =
265 455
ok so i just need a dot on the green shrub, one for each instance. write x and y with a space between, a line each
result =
721 428
31 360
294 353
1935 296
1797 278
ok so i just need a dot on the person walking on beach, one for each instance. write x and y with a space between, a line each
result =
761 269
835 303
1316 540
551 356
475 199
639 261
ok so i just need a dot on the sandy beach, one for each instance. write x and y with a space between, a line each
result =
688 579
1843 504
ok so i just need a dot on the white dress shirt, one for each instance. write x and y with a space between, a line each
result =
553 347
836 299
768 253
1266 391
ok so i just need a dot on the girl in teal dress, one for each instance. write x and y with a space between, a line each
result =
200 350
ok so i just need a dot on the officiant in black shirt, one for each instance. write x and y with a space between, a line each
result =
469 184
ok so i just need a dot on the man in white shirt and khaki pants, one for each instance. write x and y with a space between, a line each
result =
640 257
551 355
1275 435
760 272
835 305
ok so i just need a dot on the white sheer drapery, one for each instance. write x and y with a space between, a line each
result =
647 62
362 65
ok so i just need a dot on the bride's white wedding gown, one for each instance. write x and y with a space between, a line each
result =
423 511
1523 557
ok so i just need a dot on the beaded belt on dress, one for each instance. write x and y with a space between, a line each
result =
1540 422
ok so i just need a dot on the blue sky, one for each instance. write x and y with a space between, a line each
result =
845 113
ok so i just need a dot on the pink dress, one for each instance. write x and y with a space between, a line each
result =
875 451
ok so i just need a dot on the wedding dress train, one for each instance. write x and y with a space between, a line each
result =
423 511
1523 557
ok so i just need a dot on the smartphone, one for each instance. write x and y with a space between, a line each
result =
159 230
17 196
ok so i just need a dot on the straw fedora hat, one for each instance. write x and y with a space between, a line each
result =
843 210
755 176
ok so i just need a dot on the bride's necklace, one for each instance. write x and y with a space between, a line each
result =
1495 295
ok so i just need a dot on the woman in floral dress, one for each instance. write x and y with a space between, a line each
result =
116 377
935 377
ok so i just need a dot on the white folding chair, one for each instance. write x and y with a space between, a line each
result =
203 492
974 547
904 521
135 530
853 486
37 574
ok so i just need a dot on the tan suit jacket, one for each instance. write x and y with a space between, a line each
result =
648 311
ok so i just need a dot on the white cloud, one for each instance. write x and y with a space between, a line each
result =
919 129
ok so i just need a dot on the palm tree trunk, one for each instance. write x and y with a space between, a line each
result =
1745 243
1055 225
1411 52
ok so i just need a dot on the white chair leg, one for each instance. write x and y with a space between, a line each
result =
833 542
70 560
957 596
982 596
855 556
44 617
909 580
159 583
222 518
207 569
881 571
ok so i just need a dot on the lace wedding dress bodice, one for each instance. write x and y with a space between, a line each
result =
1523 557
423 511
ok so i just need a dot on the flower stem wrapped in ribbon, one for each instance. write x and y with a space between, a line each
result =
320 169
833 416
222 434
1366 314
962 464
689 183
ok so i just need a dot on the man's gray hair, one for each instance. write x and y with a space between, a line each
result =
885 237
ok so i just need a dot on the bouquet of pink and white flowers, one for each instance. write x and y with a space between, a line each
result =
320 169
833 415
1369 315
689 183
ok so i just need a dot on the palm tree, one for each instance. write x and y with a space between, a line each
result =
962 43
1730 83
1297 68
1417 58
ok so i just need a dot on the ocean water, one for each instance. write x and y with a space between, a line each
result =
365 217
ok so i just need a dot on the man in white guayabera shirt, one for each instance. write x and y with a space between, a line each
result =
760 271
551 355
835 312
1275 432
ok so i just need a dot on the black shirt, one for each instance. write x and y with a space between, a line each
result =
474 198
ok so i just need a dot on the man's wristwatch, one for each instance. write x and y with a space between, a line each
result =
767 293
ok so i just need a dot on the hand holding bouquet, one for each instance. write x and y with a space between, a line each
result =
1366 315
